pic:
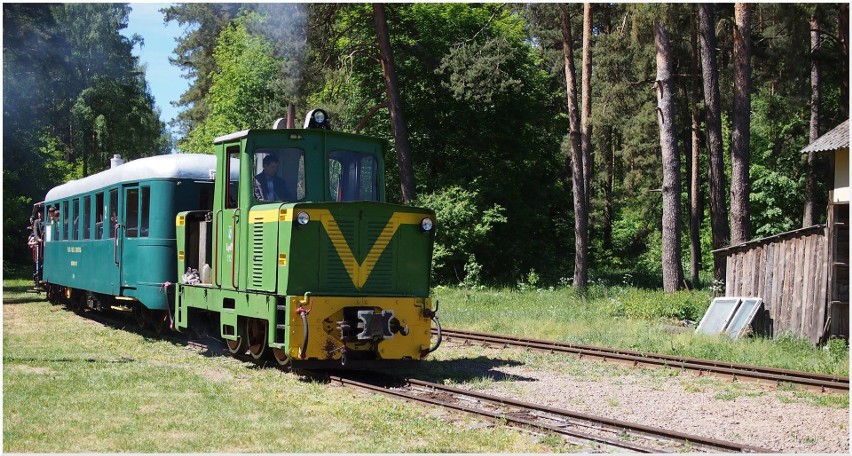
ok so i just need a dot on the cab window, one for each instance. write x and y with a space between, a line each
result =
279 174
352 176
232 192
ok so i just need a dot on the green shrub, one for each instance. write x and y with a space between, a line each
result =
462 228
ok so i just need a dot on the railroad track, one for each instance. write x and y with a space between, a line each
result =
820 382
578 427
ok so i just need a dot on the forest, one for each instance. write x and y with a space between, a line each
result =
560 144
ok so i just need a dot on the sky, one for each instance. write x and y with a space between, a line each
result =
164 79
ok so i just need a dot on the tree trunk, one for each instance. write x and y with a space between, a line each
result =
580 215
843 33
609 169
400 131
710 77
696 209
586 100
672 267
740 210
810 180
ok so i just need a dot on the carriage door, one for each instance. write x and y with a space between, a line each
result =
111 232
128 235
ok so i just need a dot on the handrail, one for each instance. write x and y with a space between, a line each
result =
216 248
115 245
236 243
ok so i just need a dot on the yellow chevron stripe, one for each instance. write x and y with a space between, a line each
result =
360 272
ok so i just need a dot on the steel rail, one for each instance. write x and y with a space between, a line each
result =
822 381
492 415
567 415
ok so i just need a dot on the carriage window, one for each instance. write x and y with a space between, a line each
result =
279 174
63 229
352 176
113 213
86 217
233 191
131 212
99 216
144 211
75 224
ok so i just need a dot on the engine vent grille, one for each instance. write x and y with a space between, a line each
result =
256 258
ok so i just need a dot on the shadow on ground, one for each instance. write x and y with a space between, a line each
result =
463 370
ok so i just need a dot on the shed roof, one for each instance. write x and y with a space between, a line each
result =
838 138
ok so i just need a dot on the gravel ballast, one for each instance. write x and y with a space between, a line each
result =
783 420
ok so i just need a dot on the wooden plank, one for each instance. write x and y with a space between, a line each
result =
787 290
766 292
822 290
749 278
778 279
816 302
813 288
729 275
807 278
734 273
762 268
796 317
767 285
738 276
820 298
738 273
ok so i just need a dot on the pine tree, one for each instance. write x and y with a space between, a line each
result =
577 178
397 115
672 267
740 184
712 102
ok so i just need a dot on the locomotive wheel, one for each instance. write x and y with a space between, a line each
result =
257 340
281 357
239 346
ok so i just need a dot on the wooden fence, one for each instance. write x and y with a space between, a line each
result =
789 271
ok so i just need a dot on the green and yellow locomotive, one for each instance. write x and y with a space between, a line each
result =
295 255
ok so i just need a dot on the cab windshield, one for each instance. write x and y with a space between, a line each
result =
352 176
279 174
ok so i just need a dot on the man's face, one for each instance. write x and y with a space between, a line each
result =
271 168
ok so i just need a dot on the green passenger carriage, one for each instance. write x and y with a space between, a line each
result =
113 236
282 240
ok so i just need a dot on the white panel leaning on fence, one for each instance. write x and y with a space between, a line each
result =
730 315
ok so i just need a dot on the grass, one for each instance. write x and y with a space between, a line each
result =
73 385
64 373
628 318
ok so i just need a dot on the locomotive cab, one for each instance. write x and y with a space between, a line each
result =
302 259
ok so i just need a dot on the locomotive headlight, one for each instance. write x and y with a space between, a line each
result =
303 218
426 224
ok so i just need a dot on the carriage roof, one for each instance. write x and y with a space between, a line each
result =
172 166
